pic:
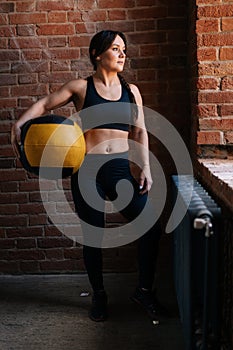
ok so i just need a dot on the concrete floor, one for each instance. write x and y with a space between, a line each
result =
46 312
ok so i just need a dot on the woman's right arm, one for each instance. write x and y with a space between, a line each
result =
57 99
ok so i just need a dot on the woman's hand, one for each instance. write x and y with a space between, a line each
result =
15 138
145 180
143 177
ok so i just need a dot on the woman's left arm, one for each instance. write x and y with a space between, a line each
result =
139 136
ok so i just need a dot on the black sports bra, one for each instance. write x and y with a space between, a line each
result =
99 113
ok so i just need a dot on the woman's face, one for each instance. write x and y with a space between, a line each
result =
113 59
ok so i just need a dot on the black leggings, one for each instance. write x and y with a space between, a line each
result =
84 184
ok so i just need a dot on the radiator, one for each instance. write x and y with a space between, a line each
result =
196 264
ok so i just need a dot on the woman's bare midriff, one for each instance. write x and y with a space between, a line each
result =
106 141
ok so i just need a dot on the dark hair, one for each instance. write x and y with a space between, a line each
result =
101 42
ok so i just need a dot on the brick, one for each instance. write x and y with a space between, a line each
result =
55 29
32 208
28 18
6 7
226 53
26 30
116 15
78 41
86 4
29 67
146 75
215 97
207 54
18 220
152 12
9 266
220 39
226 110
74 16
125 26
73 253
61 54
54 242
57 77
30 90
32 55
149 50
4 139
29 266
7 243
52 231
62 219
208 2
64 265
28 43
54 254
38 219
52 5
8 79
116 4
8 209
26 243
145 2
7 31
4 92
208 83
57 66
84 28
147 38
215 11
94 16
206 110
8 103
26 6
57 42
145 25
10 186
13 197
27 254
227 83
57 17
216 68
27 79
24 232
229 137
225 124
9 55
209 137
207 25
227 24
3 19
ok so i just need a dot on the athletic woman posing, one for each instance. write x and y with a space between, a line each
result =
107 142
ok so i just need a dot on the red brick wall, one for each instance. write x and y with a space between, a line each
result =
214 29
45 43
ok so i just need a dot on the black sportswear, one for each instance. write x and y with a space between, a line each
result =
100 113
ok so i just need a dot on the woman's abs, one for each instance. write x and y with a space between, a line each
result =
106 141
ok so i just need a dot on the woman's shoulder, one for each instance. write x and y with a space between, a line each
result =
134 88
136 92
76 84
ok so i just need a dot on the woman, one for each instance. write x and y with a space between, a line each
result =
107 140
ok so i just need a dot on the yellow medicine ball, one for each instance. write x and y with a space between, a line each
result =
52 146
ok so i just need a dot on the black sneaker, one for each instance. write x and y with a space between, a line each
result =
147 300
99 307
